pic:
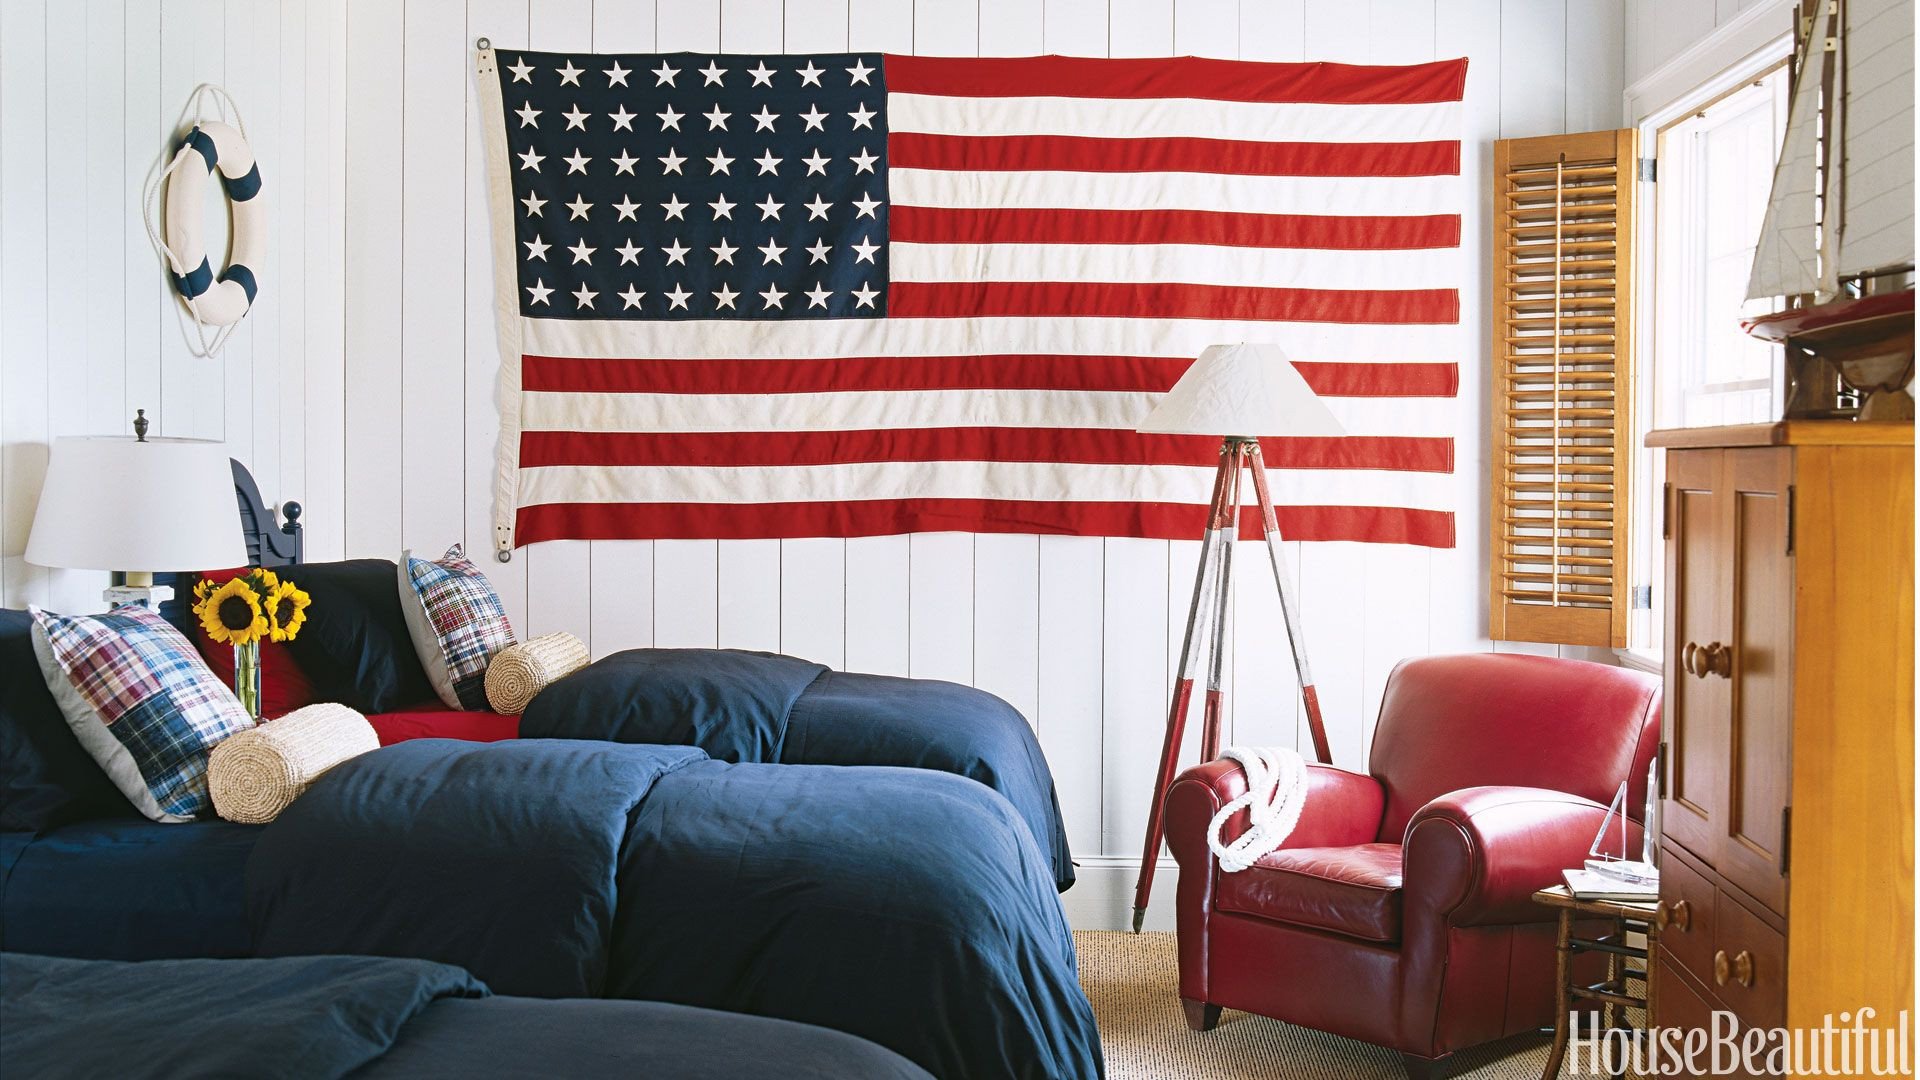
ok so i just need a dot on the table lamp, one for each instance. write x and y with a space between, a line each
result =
1239 393
137 506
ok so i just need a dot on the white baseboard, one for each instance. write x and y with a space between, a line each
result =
1102 895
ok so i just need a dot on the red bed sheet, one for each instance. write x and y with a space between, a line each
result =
436 721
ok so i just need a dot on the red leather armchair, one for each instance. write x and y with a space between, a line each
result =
1399 911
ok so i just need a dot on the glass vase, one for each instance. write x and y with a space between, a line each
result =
246 677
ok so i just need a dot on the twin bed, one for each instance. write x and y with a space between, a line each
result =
732 831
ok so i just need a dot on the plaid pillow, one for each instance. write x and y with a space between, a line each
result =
141 701
456 622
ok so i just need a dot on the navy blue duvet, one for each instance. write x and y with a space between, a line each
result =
907 907
368 1017
761 707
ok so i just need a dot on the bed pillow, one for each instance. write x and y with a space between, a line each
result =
46 776
456 622
141 702
355 647
284 687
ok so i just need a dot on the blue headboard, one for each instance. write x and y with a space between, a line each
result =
270 541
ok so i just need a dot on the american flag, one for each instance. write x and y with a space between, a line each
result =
860 294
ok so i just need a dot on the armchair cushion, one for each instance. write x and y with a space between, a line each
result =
1346 890
1477 856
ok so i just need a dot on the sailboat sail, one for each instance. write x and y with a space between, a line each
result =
1786 262
1876 231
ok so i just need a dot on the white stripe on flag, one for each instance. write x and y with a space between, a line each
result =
1198 264
1026 480
868 410
725 339
1149 118
1230 193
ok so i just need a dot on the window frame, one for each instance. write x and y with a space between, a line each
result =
1645 555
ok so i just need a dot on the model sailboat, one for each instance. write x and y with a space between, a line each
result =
1838 236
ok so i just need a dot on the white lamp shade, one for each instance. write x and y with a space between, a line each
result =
152 507
1246 390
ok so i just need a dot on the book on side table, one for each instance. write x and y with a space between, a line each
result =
1587 885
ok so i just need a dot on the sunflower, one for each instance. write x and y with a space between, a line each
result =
264 579
203 589
286 609
231 614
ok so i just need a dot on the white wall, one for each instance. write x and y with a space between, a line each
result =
1659 30
89 94
395 447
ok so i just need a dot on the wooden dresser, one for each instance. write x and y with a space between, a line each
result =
1786 864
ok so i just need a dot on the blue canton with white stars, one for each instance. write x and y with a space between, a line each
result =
691 186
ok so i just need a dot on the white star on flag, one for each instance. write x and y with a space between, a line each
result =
863 117
626 206
816 163
818 251
578 208
867 204
676 253
713 72
722 208
865 294
863 162
723 297
522 72
576 163
632 297
810 75
570 75
860 71
622 119
674 208
770 252
672 162
531 160
678 297
768 163
575 118
720 162
716 120
527 114
582 253
762 74
533 204
723 252
817 296
623 165
584 296
537 248
629 253
863 251
815 118
669 119
769 208
665 74
772 296
617 75
763 120
817 209
539 292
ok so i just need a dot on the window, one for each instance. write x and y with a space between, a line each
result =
1715 167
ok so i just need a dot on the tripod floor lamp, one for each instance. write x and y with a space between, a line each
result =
1239 392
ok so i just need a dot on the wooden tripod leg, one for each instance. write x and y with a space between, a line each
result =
1222 582
1288 609
1182 693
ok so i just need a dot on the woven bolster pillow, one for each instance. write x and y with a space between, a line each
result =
258 773
518 672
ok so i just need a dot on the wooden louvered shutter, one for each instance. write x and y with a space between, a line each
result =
1562 345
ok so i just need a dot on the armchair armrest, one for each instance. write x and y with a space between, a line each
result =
1477 856
1341 809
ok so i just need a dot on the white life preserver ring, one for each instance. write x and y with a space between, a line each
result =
222 299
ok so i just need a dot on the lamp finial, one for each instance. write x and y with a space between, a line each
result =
139 425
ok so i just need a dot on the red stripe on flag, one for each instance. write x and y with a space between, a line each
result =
1158 521
1073 153
1170 300
1177 77
1094 446
1151 374
945 225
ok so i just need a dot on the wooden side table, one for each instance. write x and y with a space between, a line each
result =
1613 993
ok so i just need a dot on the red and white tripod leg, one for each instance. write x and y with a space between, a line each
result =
1183 686
1289 610
1222 582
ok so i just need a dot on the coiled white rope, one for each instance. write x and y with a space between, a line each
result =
1276 793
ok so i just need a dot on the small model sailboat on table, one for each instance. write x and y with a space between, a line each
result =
1838 236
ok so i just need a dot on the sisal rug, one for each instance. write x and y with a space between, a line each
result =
1133 981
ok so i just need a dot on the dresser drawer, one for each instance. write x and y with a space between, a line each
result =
1688 899
1749 965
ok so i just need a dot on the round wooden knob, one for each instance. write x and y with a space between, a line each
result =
1712 658
1743 968
1678 917
1721 967
1686 657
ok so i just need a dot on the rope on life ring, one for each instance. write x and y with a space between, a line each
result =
213 299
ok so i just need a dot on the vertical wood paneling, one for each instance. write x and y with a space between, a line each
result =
503 22
1596 31
880 25
1134 686
104 398
232 371
1075 27
1207 28
1007 644
1140 27
326 42
940 606
1012 28
1071 692
65 228
944 28
1275 30
23 287
1533 73
749 595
